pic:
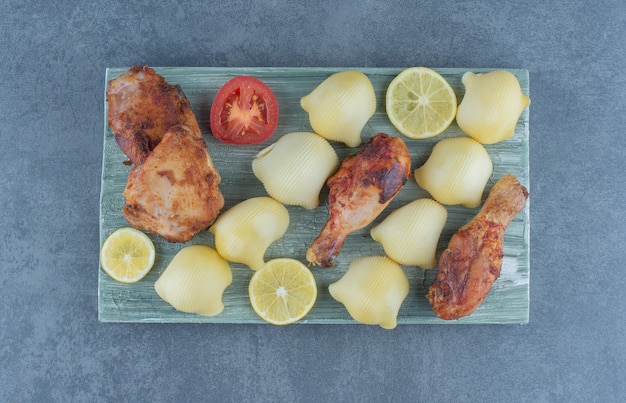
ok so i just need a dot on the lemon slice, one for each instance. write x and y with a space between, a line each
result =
283 291
420 103
127 255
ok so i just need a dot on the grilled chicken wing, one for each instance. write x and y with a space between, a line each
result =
472 261
142 106
359 191
174 193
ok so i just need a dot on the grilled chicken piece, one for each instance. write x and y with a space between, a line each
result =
472 261
142 106
174 193
359 191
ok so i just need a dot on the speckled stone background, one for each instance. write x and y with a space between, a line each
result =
52 66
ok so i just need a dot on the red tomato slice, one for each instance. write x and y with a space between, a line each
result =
244 111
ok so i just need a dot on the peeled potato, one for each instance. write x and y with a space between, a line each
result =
340 106
294 169
409 235
195 281
244 232
456 172
372 290
491 107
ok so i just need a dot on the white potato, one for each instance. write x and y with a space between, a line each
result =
491 107
244 232
456 172
340 106
195 281
409 235
294 169
372 290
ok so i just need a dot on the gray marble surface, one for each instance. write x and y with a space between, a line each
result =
52 65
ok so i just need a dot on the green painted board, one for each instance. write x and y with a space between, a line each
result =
508 301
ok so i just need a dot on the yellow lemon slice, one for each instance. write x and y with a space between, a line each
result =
283 291
127 255
420 103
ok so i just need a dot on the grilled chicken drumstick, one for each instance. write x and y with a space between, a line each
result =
359 191
142 106
472 261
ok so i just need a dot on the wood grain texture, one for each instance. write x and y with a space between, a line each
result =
508 301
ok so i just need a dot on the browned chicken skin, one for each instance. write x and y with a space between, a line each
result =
472 261
142 106
174 193
173 189
359 191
